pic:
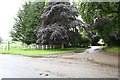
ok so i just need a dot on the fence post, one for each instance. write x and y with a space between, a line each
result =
8 45
3 48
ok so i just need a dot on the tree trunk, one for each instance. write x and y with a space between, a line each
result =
36 46
50 46
62 46
53 46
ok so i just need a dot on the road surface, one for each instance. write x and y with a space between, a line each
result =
17 66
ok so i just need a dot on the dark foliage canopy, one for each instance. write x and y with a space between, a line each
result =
107 19
59 24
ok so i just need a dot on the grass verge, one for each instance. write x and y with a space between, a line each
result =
34 52
113 50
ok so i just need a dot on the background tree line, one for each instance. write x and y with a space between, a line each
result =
27 20
103 19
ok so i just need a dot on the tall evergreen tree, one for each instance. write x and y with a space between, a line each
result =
28 19
0 39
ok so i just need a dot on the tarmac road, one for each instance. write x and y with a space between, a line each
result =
17 66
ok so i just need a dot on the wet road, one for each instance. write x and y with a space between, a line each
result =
93 49
16 66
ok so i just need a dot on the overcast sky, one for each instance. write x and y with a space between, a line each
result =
8 11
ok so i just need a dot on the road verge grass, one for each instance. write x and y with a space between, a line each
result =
112 50
34 52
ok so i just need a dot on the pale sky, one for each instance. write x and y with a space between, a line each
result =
8 11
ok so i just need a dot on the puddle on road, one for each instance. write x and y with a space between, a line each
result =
71 58
37 56
47 56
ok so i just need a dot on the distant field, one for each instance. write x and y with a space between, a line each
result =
13 44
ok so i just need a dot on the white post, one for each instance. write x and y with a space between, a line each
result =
46 46
42 46
53 46
36 46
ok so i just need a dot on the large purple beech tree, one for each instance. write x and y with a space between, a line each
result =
59 25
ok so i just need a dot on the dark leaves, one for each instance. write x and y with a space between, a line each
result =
58 18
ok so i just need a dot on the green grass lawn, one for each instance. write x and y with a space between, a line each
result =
112 50
34 52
